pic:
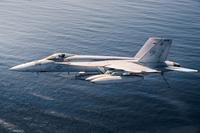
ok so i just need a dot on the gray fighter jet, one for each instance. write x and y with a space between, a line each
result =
151 58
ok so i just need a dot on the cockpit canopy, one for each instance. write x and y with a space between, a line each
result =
58 56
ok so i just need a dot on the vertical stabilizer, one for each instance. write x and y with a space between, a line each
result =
154 50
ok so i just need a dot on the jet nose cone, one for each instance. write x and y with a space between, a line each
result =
22 67
15 68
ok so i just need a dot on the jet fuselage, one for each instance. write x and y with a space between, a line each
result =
63 62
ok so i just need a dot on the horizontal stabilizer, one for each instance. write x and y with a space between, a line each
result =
180 69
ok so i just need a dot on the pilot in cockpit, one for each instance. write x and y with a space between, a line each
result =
58 57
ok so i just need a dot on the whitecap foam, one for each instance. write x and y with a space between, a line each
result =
11 127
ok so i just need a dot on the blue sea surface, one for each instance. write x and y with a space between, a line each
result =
55 103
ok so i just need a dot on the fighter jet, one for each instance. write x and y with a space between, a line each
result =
151 58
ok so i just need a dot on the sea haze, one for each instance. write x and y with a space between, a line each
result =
53 102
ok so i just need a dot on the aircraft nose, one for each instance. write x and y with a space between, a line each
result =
23 67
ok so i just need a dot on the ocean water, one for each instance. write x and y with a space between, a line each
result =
55 103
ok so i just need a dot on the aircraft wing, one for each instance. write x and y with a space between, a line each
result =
131 67
122 65
118 71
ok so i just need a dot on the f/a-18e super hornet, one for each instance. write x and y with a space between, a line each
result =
151 58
